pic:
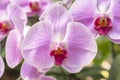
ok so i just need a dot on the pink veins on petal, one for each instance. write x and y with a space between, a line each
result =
34 6
59 54
5 27
103 25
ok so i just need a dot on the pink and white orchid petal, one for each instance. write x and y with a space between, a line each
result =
81 45
47 78
2 67
94 32
71 69
21 2
114 33
83 11
4 14
4 3
29 72
116 41
3 6
18 24
115 8
13 51
45 3
36 45
58 16
17 11
26 29
103 5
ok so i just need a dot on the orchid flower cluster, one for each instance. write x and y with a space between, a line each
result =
64 35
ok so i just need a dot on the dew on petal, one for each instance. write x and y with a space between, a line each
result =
59 55
103 25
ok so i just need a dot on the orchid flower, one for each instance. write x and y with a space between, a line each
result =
7 23
29 72
33 7
15 36
102 16
57 40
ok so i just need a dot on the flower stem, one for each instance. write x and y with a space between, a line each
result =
113 50
63 73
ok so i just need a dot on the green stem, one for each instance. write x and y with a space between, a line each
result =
73 77
113 50
63 74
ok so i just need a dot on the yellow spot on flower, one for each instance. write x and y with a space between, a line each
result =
103 22
59 51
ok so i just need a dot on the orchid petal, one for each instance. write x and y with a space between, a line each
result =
117 41
24 4
4 13
58 16
29 72
47 78
115 8
81 45
18 24
36 45
94 32
83 11
26 29
4 3
114 33
103 5
45 3
71 69
17 11
13 51
2 67
21 2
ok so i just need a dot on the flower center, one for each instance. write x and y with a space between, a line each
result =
34 6
5 27
103 24
59 55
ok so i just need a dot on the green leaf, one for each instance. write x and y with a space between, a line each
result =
93 72
104 50
59 73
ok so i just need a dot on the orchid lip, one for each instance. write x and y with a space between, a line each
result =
5 27
103 25
34 6
59 54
